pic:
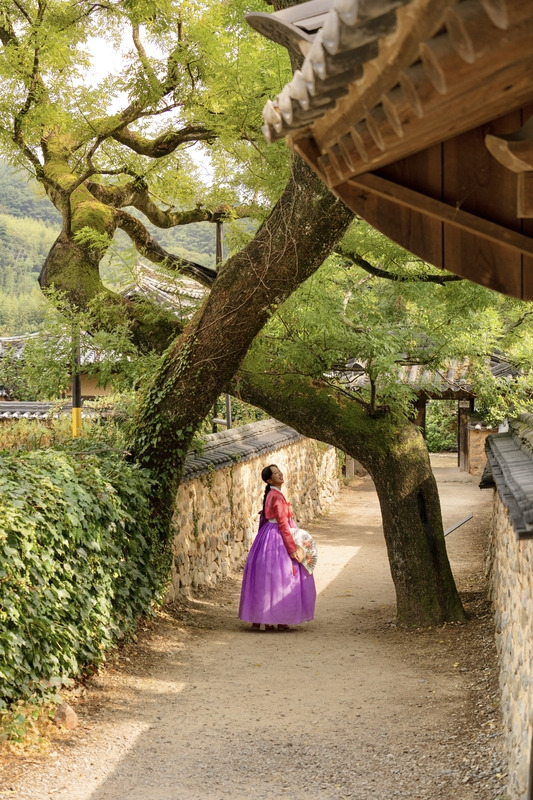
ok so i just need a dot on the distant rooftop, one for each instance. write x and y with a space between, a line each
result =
452 382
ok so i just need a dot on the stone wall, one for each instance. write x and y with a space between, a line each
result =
477 459
511 581
510 569
220 497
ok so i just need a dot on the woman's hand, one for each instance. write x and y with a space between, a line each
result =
298 554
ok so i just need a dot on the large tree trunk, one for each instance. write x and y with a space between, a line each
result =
412 525
396 456
300 232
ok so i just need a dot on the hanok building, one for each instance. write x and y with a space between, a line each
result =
418 115
452 382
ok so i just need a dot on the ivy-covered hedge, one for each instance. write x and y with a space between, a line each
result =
79 563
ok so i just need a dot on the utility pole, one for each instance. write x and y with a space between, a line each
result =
219 256
76 385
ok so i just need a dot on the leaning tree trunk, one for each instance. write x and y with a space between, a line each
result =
396 456
412 525
300 232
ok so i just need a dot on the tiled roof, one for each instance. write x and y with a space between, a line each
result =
227 448
173 293
452 382
15 343
14 410
510 456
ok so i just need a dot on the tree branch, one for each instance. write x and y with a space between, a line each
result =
23 11
165 143
152 250
516 324
143 58
354 258
136 194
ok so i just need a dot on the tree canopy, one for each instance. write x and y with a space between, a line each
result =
373 310
126 138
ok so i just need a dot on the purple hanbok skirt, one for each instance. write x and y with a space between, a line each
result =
276 589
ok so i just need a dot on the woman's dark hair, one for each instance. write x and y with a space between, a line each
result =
266 474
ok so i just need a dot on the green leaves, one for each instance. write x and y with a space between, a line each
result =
350 310
79 563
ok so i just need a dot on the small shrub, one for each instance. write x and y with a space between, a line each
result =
33 434
110 427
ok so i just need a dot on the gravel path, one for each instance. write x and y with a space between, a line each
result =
349 706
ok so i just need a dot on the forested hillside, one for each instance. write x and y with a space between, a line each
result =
22 197
29 223
24 243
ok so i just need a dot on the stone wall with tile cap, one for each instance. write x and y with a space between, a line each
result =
511 581
510 567
219 499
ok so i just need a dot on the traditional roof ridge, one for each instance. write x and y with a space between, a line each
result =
13 409
227 448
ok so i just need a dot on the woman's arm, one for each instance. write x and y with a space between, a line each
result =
279 508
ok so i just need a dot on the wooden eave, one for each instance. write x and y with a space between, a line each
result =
415 113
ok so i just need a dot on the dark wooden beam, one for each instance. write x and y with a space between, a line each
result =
524 195
435 209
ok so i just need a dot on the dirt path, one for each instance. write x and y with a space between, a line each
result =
349 706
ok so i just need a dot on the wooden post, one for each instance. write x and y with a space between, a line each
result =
214 426
229 421
76 386
219 256
463 409
219 251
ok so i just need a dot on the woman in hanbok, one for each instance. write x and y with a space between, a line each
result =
277 591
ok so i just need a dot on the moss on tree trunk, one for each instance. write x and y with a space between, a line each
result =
412 525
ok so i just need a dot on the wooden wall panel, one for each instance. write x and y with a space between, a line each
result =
421 172
494 266
420 235
474 181
462 174
415 232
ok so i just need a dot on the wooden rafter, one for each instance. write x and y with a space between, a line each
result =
435 209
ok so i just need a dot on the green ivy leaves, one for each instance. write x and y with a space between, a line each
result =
79 563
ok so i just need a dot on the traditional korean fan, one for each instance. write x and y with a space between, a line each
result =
304 540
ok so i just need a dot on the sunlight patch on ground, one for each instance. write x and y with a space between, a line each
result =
332 560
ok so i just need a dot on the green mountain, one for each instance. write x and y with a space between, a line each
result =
21 196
